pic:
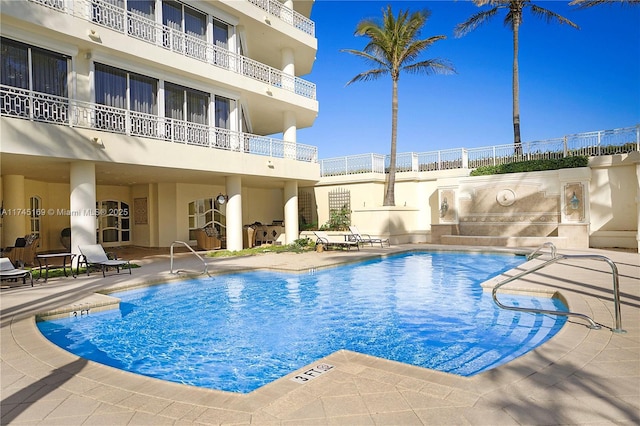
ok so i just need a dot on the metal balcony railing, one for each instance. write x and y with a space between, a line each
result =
136 25
41 107
604 142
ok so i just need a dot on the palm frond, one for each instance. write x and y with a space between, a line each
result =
369 75
583 4
430 67
475 21
551 16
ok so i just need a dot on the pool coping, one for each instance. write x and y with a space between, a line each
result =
359 388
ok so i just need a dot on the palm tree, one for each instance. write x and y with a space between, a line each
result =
582 4
513 19
394 46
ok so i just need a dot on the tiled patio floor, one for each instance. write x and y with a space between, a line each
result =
581 376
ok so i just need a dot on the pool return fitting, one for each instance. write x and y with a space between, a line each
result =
206 267
555 257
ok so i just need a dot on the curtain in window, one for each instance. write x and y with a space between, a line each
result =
195 23
14 70
111 86
220 34
49 72
172 15
223 112
197 107
173 101
145 8
142 91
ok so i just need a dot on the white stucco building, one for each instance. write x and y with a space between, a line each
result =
125 120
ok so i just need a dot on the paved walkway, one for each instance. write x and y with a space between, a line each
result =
581 376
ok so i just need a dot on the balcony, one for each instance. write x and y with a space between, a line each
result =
135 25
41 107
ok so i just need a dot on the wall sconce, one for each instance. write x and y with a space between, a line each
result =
97 141
94 35
267 20
221 198
574 201
270 164
268 91
444 207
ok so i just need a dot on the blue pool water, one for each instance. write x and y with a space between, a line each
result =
239 332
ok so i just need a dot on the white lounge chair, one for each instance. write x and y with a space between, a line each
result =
94 256
8 271
324 239
366 238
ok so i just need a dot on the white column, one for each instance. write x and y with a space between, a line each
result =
289 4
234 213
289 134
291 211
82 203
14 222
288 69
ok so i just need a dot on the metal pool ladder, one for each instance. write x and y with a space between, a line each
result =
555 257
206 267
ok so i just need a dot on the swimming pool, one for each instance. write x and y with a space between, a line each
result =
238 332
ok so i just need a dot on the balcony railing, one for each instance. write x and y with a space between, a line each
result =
136 25
604 142
26 104
290 16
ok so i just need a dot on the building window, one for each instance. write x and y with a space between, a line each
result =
187 112
185 29
35 206
119 91
205 213
40 71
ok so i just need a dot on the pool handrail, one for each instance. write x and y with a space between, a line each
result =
206 267
556 258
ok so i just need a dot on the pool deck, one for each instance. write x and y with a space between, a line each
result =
581 376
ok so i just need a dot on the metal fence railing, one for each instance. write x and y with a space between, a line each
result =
603 142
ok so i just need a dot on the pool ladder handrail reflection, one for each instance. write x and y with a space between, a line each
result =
206 267
555 257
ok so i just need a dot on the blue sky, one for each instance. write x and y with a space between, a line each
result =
571 81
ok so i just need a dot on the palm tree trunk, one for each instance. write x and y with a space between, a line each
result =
389 197
516 89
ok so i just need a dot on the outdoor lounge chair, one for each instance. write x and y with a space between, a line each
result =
24 250
366 238
9 272
94 256
324 239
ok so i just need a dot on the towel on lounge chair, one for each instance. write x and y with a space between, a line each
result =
8 271
94 256
366 238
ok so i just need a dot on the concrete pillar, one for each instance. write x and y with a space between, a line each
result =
291 211
289 134
15 219
82 203
288 61
234 213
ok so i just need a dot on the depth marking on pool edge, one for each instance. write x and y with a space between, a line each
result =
312 373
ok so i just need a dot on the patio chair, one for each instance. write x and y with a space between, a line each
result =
324 239
94 256
23 251
10 272
366 238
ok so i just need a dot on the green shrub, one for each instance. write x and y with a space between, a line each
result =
533 166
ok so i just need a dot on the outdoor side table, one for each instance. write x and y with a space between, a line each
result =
52 256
